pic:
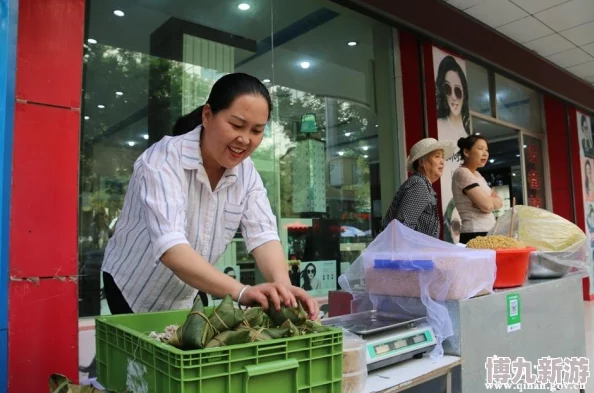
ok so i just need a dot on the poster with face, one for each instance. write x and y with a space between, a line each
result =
453 123
233 272
318 277
584 126
585 135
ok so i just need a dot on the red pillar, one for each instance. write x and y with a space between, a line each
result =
43 309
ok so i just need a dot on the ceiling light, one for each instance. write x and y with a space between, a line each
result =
92 41
365 148
365 156
145 136
341 153
131 143
525 146
266 80
477 133
352 43
347 134
513 174
305 64
119 93
100 106
244 6
491 160
87 117
119 13
517 155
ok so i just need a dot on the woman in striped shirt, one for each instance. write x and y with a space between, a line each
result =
187 197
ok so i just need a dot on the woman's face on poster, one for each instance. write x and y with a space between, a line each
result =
454 92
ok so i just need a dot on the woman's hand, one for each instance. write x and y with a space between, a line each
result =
274 294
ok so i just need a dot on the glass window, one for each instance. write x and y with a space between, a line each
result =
478 86
518 104
320 156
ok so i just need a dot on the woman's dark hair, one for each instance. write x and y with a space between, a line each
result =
443 110
225 90
306 283
468 143
583 120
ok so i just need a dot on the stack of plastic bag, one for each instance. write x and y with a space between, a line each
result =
354 363
402 266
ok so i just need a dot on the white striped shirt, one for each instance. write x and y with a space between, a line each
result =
169 201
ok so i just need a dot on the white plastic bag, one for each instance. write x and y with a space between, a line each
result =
560 243
401 265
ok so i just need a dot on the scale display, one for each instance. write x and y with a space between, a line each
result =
387 347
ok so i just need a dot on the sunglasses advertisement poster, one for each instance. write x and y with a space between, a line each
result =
318 277
453 123
584 125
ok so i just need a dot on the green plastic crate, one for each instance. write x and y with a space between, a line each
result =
130 361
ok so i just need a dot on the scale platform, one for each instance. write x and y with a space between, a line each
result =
390 339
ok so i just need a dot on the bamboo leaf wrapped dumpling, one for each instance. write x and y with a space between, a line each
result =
196 331
293 330
253 317
263 334
226 316
296 315
229 337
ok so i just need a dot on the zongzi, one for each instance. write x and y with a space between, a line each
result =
297 315
253 317
226 316
263 334
196 331
229 337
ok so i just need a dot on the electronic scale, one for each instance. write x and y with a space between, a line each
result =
390 339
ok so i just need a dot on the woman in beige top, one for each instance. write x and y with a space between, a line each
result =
474 199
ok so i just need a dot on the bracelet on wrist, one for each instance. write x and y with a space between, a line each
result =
241 294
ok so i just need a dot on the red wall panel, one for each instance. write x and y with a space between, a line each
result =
49 52
43 237
559 157
42 333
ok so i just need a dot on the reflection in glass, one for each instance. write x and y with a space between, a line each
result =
535 182
518 104
478 86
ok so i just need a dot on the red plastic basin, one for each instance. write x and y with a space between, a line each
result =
512 267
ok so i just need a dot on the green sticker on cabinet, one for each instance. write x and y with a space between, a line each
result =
514 312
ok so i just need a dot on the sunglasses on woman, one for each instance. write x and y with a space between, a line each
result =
448 91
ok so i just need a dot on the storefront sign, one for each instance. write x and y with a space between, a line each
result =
453 123
514 310
586 140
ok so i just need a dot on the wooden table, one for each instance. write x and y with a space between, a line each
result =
410 373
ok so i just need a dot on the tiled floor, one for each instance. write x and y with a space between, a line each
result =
589 320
